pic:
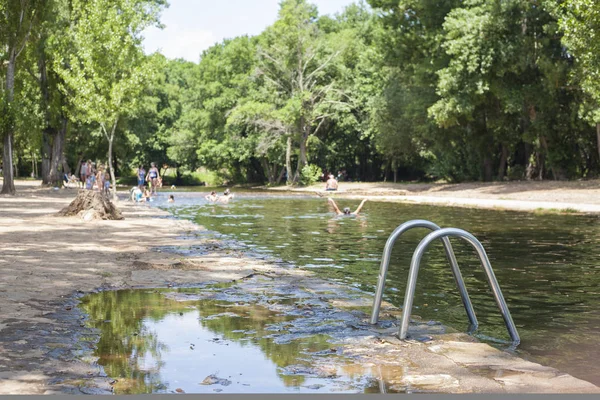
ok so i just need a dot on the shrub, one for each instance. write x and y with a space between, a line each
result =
310 174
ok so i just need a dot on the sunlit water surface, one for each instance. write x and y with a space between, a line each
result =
548 266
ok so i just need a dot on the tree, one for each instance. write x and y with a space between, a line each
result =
580 22
17 19
297 66
105 71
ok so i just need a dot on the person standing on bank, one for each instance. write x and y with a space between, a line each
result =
83 173
153 176
141 175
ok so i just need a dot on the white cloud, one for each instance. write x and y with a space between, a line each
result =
174 42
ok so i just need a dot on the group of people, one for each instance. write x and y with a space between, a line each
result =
213 197
91 178
152 178
147 184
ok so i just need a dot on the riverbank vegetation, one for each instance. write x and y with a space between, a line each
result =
454 90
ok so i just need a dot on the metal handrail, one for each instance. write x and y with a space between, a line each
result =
485 262
385 262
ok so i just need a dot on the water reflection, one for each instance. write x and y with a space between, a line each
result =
548 265
153 344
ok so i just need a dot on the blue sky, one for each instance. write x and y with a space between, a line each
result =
194 25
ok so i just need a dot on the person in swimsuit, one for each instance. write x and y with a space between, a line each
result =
107 183
346 209
136 194
152 177
141 175
171 199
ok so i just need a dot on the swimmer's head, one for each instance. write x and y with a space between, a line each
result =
226 192
346 210
213 193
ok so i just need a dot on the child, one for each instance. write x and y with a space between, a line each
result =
136 194
100 180
171 199
106 184
147 195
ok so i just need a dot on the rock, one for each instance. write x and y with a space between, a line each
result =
215 380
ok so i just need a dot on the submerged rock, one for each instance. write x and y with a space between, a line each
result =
215 380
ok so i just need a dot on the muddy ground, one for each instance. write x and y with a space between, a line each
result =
47 263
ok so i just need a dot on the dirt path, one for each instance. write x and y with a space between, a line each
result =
48 262
581 196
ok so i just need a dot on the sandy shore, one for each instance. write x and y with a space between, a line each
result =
555 196
48 262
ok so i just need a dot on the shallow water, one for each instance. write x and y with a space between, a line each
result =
548 266
176 341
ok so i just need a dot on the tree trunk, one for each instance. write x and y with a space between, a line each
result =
268 170
46 152
487 168
503 159
280 176
56 160
8 186
386 170
542 162
395 169
288 160
78 166
301 158
110 166
48 131
598 138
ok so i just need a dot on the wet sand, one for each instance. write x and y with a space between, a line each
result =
47 263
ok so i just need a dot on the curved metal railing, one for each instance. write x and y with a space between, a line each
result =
385 262
485 262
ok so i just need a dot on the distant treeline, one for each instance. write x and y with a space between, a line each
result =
393 89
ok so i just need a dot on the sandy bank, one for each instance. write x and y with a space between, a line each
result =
47 262
578 196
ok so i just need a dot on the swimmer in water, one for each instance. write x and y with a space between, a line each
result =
346 210
227 195
212 196
171 199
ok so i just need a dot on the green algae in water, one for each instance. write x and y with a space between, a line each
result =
151 343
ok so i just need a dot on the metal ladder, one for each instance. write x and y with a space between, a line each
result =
443 234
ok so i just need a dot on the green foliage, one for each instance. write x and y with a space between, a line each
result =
310 175
450 89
